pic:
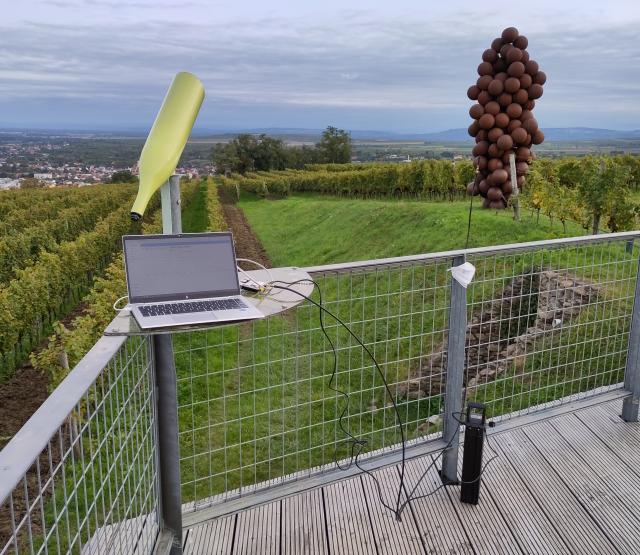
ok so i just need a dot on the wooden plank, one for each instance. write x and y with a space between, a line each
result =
519 509
591 491
258 530
570 519
392 536
483 522
215 536
438 523
303 524
623 482
621 437
348 524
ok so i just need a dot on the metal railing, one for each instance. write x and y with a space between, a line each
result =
541 325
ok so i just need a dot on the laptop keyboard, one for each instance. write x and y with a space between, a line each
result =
195 306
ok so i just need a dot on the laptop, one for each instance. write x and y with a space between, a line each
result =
190 278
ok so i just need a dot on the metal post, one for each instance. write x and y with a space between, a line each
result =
455 373
167 394
631 404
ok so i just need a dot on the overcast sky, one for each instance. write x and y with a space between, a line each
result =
394 65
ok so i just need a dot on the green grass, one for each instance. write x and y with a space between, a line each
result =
194 216
313 230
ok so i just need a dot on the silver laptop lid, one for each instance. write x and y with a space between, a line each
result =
180 267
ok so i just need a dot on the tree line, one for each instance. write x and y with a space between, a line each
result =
248 153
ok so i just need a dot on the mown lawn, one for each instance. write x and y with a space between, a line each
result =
313 230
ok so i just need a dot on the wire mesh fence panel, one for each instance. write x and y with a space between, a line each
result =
277 400
548 325
93 488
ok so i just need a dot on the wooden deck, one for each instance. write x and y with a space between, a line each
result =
569 484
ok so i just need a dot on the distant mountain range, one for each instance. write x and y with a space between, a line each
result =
450 135
553 134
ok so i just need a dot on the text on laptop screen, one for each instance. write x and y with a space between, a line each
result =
180 267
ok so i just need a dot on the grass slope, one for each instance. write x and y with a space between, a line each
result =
311 230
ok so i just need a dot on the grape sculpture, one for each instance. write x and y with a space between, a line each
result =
506 91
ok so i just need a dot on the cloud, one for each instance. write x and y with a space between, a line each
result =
358 63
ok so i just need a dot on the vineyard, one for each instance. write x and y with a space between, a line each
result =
588 191
70 343
47 267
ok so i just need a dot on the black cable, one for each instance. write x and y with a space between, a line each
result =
466 244
358 444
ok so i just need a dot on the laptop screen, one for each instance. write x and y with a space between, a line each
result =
179 267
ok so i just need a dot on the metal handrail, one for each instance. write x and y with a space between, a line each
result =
24 448
494 249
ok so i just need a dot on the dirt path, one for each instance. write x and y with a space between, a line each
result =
247 243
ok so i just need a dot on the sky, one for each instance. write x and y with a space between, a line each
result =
400 66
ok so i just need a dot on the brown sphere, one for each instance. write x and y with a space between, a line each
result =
516 69
505 142
529 105
525 81
483 82
472 189
535 91
485 68
514 55
489 55
495 87
500 175
525 57
539 78
494 164
481 148
473 129
513 124
537 137
505 157
502 76
521 42
505 50
512 85
514 110
496 44
522 168
481 135
520 181
480 162
494 193
509 34
531 125
496 205
484 97
519 136
502 120
521 97
507 189
523 154
494 134
526 114
486 121
483 187
532 67
485 202
476 111
492 108
505 99
494 151
472 92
